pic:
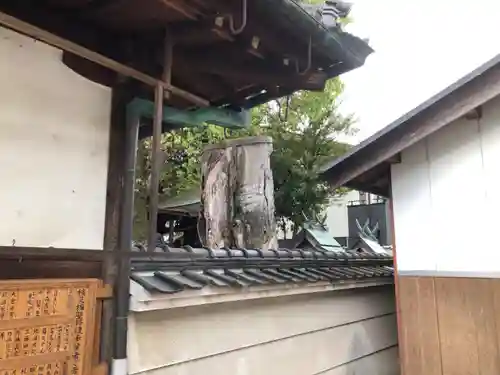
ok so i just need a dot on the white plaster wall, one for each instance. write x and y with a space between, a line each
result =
337 220
53 149
333 333
446 198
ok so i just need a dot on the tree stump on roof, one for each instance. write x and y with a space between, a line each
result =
237 195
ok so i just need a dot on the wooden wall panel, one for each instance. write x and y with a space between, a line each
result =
419 325
450 326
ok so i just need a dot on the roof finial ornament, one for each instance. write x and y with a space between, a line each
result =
330 12
366 231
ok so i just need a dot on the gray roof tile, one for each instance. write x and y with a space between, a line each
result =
176 270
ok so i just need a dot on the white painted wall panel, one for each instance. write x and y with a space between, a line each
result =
460 178
457 195
490 137
413 211
300 335
54 128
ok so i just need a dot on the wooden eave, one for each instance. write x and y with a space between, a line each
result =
269 58
366 167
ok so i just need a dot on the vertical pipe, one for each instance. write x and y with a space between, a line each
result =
155 168
156 152
122 293
116 171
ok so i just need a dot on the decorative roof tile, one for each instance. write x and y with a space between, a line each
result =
180 269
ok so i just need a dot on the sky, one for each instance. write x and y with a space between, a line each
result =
420 48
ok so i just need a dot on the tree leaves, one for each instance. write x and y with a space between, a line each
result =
304 128
304 137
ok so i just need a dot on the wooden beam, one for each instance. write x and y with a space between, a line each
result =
183 9
272 42
269 42
27 268
270 94
256 73
52 253
67 45
213 88
394 159
202 32
95 6
156 151
271 39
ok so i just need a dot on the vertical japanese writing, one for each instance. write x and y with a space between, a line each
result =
12 305
4 296
66 332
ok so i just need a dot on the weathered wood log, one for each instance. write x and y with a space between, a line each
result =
237 195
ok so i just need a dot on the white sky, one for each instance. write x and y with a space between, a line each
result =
420 48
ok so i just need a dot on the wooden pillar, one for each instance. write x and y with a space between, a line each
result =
114 196
238 195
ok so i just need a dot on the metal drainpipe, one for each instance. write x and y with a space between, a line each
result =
122 296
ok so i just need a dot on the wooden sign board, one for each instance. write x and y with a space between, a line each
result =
47 327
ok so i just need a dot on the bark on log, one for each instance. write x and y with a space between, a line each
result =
237 195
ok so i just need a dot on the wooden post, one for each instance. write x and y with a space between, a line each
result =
237 202
157 157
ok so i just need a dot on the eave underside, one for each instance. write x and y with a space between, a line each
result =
269 58
376 181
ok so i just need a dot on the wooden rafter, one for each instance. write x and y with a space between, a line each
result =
268 43
124 38
202 32
271 40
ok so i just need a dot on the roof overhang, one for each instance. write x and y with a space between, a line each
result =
185 204
279 49
366 167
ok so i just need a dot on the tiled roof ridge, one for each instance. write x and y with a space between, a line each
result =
281 253
172 270
188 257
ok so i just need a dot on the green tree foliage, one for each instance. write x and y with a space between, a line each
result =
304 128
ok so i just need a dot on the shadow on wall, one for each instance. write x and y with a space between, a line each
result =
371 364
